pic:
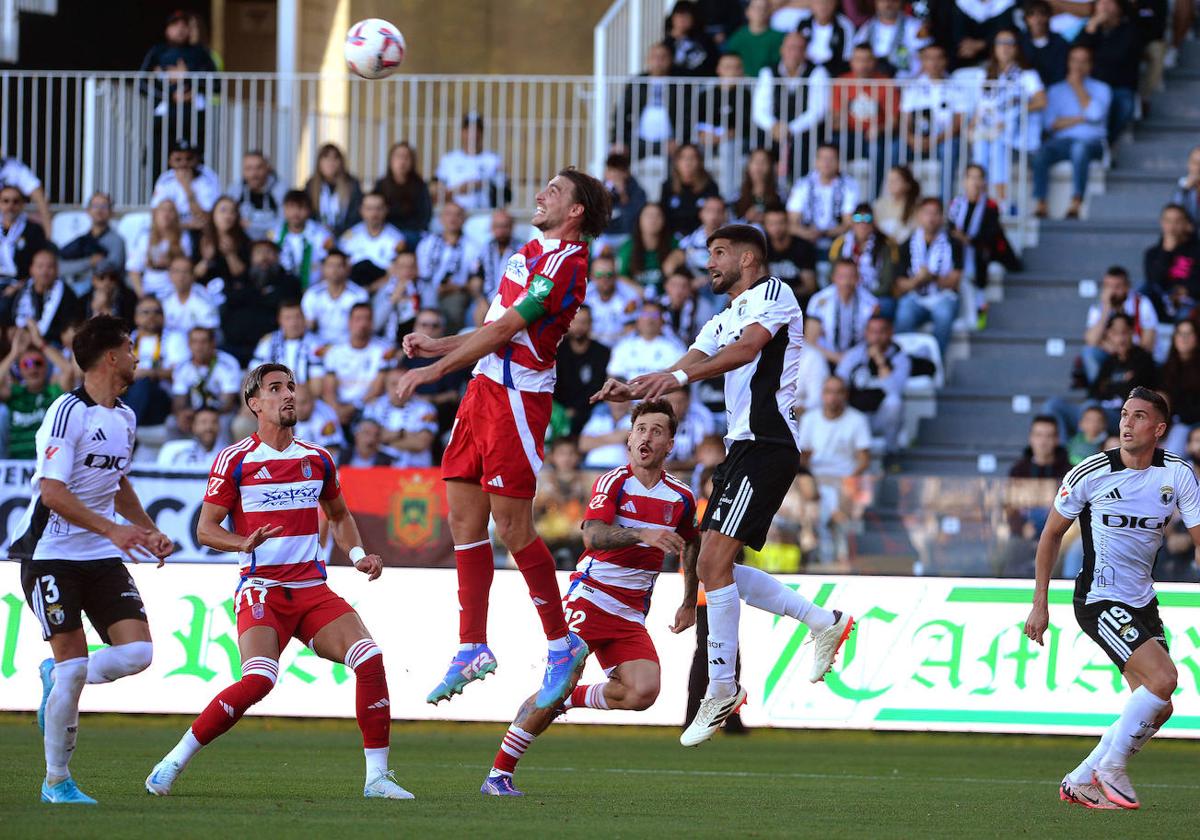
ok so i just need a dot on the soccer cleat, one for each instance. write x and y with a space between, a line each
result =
1115 785
467 666
46 671
1086 794
384 786
713 713
162 777
499 784
65 792
561 671
827 643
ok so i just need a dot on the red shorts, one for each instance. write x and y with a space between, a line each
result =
498 438
298 613
612 639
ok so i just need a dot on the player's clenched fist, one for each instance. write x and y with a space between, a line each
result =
371 566
420 346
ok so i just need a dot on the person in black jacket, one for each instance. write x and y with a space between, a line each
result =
685 190
1172 267
252 300
407 195
20 237
725 122
46 304
179 103
581 365
693 52
1045 50
652 112
1117 56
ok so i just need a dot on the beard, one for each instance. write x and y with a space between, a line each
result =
288 419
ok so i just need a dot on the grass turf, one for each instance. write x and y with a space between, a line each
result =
272 777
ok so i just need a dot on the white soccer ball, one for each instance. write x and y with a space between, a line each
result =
374 48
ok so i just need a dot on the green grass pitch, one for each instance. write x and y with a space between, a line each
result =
287 778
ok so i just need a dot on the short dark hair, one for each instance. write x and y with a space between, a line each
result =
289 303
1045 418
595 198
96 337
1038 6
841 261
376 194
1117 271
338 252
297 197
1155 399
254 379
206 407
1119 316
617 160
48 248
1078 46
659 406
932 199
362 304
741 235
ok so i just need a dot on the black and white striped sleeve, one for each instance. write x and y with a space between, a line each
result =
58 437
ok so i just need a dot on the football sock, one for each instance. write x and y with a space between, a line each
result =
258 678
476 568
62 716
377 762
587 697
187 747
516 741
112 663
371 703
1132 728
765 591
724 612
1082 774
537 565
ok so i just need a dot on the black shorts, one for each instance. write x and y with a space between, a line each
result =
60 591
748 489
1120 629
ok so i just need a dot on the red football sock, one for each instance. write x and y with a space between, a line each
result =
537 565
227 708
476 567
516 741
371 704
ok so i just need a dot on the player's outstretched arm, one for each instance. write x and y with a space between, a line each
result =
1057 526
66 504
210 532
127 503
654 385
345 534
598 536
475 345
685 616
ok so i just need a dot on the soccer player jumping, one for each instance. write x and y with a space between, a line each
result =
1123 499
638 513
271 484
496 446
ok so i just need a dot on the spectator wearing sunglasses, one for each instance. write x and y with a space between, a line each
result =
27 395
876 256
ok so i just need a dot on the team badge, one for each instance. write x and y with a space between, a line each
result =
55 614
1167 494
741 309
258 611
306 468
668 513
1129 633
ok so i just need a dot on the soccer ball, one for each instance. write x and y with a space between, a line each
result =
374 48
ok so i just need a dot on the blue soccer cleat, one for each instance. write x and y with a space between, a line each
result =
561 671
466 667
499 784
65 792
46 670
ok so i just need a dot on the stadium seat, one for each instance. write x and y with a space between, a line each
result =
69 225
920 392
132 224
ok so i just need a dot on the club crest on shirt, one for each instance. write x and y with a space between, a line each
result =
741 307
516 269
1167 494
306 468
668 512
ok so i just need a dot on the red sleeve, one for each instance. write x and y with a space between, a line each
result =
332 488
688 528
603 505
222 486
568 274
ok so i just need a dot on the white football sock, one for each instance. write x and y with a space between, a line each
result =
1132 728
62 716
765 591
187 747
112 663
1082 774
560 645
724 613
377 761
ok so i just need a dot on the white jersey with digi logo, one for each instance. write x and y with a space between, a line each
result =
1122 515
88 448
760 394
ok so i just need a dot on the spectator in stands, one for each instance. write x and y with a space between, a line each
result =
644 258
842 309
1117 53
790 258
354 367
187 305
409 204
694 246
822 202
209 378
446 262
692 51
695 423
473 177
327 305
725 123
931 266
396 302
28 396
811 369
760 188
317 423
46 305
100 247
334 192
581 366
1075 118
895 39
895 210
756 42
686 189
253 300
224 246
107 295
685 309
973 220
179 101
1116 295
612 302
602 440
200 449
1045 48
977 23
1172 267
1187 194
647 349
1150 20
367 449
372 244
190 185
303 242
652 112
158 355
791 99
865 112
830 37
292 345
877 371
876 257
1089 439
408 429
258 196
153 249
20 236
1044 457
14 173
1030 493
627 196
446 392
558 508
499 250
934 114
1180 380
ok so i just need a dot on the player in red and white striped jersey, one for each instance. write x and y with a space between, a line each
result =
495 450
638 514
273 487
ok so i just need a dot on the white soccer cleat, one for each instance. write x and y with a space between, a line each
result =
384 786
827 643
1087 794
1114 783
713 713
162 777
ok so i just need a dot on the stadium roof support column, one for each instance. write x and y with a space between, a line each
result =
286 51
